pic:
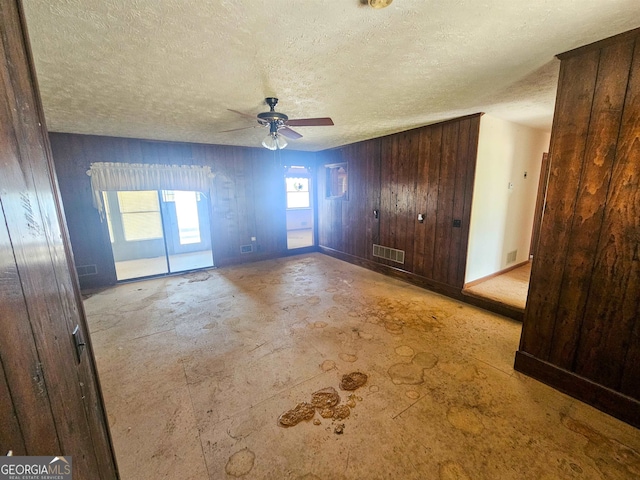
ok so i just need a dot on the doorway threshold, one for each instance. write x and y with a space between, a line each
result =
504 293
163 275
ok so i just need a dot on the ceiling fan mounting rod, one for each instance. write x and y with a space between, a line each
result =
272 117
272 102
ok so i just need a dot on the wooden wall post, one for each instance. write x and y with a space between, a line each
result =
581 331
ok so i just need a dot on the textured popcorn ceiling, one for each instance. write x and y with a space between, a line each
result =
170 69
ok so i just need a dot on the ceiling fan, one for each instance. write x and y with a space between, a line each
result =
377 4
279 124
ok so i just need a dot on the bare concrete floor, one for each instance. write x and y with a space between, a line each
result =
197 369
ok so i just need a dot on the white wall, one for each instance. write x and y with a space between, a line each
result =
502 218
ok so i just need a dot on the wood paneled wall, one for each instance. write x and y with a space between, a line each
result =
248 198
427 171
581 330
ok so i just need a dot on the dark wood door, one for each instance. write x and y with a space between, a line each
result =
50 400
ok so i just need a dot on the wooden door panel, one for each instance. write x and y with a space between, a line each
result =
11 438
40 300
30 220
21 367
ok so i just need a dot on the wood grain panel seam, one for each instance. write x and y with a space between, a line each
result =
573 215
15 413
633 58
543 327
472 159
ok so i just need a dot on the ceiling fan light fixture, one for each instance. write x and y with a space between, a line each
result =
281 142
274 141
379 3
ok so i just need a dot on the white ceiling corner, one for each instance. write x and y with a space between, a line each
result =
170 69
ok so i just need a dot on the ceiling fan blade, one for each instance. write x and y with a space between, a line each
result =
310 122
236 129
287 132
252 117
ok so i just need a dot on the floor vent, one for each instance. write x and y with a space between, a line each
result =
388 253
246 248
511 256
84 270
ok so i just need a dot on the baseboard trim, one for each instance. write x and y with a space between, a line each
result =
493 275
598 396
426 283
391 271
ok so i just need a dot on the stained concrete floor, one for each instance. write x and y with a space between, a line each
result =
196 370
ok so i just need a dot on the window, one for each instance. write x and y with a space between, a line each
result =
188 218
337 180
297 192
140 212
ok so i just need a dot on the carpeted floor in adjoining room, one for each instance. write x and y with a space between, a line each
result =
510 288
197 369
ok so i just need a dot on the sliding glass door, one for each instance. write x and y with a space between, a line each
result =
187 230
158 232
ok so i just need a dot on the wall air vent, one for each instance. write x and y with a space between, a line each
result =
246 248
511 256
85 270
388 253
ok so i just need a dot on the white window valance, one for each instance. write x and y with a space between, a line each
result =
107 176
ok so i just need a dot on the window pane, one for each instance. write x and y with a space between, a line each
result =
168 196
142 201
187 213
297 184
140 212
297 199
141 226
